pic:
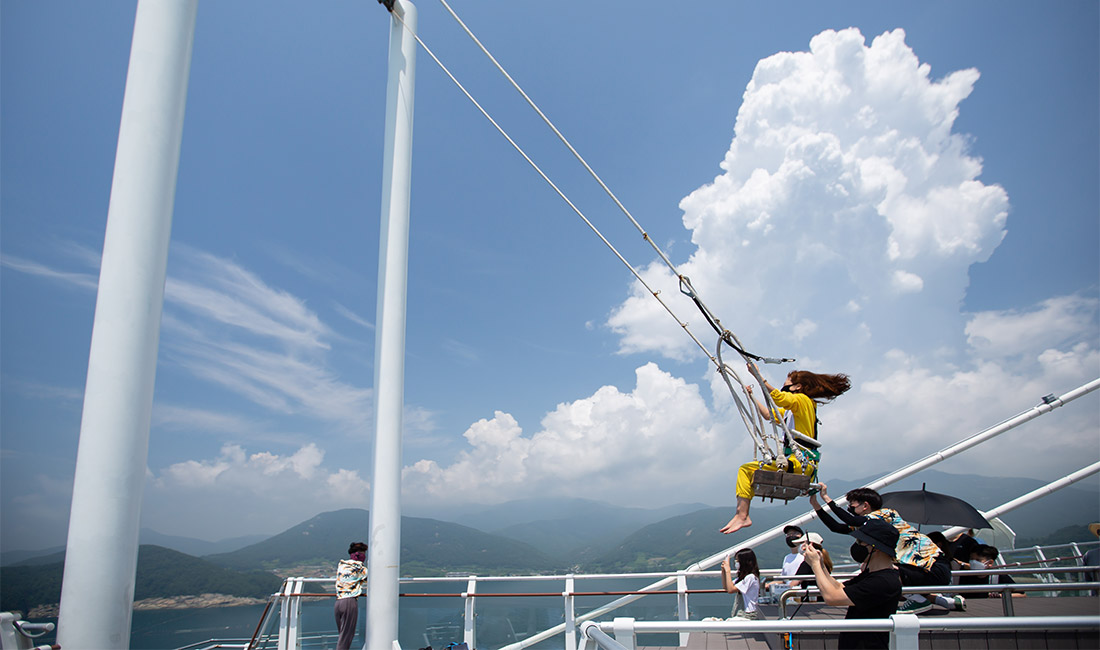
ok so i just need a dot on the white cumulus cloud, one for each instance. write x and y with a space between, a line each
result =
843 185
586 447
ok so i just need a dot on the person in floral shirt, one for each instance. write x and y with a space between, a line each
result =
351 578
920 561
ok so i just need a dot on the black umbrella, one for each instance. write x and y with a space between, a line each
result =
924 507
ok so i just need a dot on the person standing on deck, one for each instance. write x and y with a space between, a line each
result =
351 579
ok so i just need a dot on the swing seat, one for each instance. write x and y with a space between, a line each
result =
779 485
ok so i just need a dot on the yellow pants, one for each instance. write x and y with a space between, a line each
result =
745 473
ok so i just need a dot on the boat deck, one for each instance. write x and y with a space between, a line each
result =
975 607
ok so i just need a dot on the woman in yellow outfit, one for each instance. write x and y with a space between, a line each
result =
797 401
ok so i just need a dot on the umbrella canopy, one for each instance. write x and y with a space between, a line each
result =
924 507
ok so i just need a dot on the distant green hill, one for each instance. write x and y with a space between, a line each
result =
677 542
560 531
161 572
428 547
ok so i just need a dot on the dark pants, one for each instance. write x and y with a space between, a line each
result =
939 574
913 576
347 616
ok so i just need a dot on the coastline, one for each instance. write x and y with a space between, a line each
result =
200 601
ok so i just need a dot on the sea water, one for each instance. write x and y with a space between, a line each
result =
435 621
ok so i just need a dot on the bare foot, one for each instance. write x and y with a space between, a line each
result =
737 523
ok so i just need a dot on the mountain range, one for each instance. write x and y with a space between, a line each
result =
161 572
578 535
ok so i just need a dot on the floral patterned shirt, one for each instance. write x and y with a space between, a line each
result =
351 577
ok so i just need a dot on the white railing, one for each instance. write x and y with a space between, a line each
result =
1005 591
904 629
290 634
285 630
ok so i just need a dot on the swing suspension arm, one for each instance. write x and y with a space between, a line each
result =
723 334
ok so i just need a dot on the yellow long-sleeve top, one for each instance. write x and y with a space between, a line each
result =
803 408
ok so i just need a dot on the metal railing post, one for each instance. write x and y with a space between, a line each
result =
682 604
624 632
290 614
469 631
906 632
569 608
1047 578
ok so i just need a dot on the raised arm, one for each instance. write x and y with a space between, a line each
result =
727 578
763 409
823 515
848 518
831 590
830 523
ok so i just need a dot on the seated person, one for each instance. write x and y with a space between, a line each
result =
800 396
815 540
985 557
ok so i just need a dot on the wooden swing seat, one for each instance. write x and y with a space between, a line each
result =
779 485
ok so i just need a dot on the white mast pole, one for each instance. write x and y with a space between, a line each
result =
384 560
101 554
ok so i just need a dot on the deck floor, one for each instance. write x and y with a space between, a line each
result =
975 607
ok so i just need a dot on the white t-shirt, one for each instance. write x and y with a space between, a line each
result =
791 564
750 591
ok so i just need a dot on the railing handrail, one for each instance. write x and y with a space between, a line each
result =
689 573
1046 586
1004 589
292 589
903 628
558 577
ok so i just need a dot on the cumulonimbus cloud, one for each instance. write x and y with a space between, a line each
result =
841 229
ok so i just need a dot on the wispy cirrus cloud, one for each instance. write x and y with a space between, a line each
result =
352 316
78 280
218 290
225 325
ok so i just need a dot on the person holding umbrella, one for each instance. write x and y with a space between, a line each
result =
920 561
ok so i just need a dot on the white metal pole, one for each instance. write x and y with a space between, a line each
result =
384 558
101 553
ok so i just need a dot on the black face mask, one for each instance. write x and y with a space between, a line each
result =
859 552
786 389
790 540
852 509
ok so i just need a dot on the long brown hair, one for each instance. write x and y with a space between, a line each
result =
818 386
746 564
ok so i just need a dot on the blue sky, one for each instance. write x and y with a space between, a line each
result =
918 210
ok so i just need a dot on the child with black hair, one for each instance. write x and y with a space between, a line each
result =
746 587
